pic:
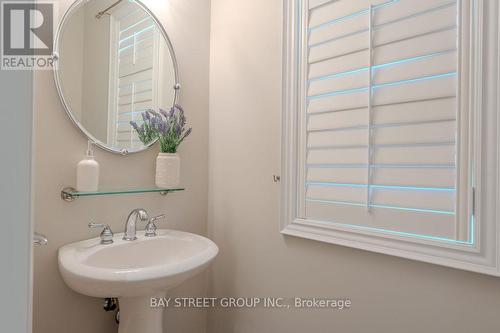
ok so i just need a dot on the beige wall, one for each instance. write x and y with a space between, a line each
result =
389 294
58 146
95 98
71 47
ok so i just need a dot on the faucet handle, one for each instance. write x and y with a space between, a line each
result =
151 226
106 234
159 217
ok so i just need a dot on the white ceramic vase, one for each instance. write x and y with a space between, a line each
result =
168 170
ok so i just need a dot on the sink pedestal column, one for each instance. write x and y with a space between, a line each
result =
137 315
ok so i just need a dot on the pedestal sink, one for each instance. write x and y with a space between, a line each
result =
135 271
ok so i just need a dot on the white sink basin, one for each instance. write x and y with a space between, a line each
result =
135 271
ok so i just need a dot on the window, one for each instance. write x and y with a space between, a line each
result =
136 59
382 127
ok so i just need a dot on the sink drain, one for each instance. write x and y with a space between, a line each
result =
111 304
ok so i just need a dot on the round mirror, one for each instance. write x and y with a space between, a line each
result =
113 61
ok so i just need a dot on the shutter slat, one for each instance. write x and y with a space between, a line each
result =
355 80
339 65
138 96
144 37
421 67
382 219
334 156
356 24
142 105
138 78
406 17
420 133
388 114
129 22
419 177
439 154
441 200
143 56
425 66
338 12
430 87
145 31
317 3
128 116
408 8
426 41
338 47
426 110
139 86
438 41
353 137
339 102
141 64
416 25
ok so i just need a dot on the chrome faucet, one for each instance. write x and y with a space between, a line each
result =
130 225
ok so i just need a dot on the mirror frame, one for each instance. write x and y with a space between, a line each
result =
74 6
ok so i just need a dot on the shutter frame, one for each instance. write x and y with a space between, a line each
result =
478 257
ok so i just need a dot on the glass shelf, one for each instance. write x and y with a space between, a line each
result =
71 194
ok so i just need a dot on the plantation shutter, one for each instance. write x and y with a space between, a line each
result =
381 118
136 72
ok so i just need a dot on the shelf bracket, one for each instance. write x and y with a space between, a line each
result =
66 194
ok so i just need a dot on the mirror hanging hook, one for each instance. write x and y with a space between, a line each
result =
105 11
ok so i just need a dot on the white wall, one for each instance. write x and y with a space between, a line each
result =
389 294
58 146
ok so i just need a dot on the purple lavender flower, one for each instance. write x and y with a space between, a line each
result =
178 107
186 134
171 114
164 113
135 126
164 128
167 127
154 123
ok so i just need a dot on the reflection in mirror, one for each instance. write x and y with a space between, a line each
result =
114 63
